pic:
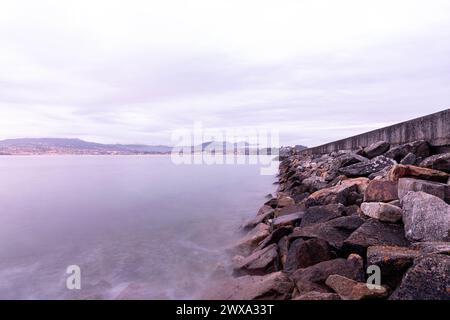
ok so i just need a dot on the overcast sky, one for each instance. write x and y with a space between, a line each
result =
134 71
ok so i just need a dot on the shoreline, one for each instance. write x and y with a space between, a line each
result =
346 220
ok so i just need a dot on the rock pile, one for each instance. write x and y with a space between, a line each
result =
336 215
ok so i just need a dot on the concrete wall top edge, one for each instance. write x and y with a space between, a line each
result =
435 128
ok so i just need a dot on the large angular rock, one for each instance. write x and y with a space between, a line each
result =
380 175
432 247
382 211
353 210
361 183
393 262
318 296
376 149
363 169
373 233
313 278
285 202
420 149
274 286
399 171
440 190
381 191
427 279
259 262
410 158
314 183
260 218
265 209
305 253
275 236
336 194
283 249
438 162
322 213
347 160
273 203
250 241
292 219
334 231
299 207
426 217
349 289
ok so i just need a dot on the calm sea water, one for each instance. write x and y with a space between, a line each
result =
138 226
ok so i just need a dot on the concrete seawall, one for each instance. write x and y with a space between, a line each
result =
435 128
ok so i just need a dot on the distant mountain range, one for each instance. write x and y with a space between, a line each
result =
33 146
38 146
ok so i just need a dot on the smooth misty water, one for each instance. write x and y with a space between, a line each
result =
138 226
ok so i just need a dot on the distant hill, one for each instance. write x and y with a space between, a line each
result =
38 146
29 146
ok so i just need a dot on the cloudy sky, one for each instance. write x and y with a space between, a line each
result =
134 71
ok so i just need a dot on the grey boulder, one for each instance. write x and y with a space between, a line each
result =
274 286
437 162
367 167
427 279
440 190
426 217
376 149
382 211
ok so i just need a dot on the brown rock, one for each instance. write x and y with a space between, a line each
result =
292 219
322 213
432 247
438 162
336 194
272 203
285 202
381 191
305 253
361 183
313 278
440 190
274 286
353 210
427 279
393 262
420 149
260 218
349 289
376 149
299 207
334 231
264 210
275 236
382 211
399 171
246 244
258 263
314 295
283 249
372 233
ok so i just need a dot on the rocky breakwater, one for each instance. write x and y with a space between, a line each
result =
336 215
